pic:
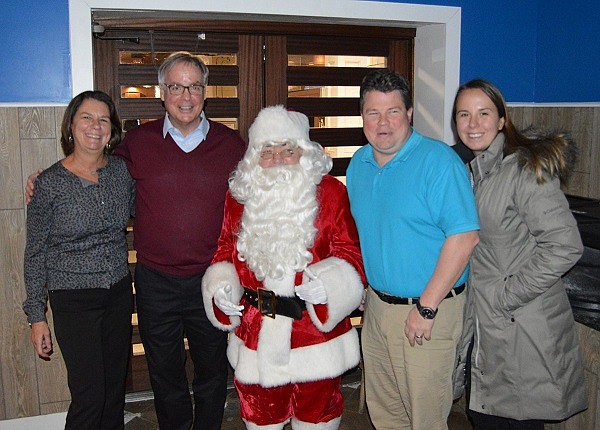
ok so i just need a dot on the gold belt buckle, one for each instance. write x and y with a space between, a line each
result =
267 302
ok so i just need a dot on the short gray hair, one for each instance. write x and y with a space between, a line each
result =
182 57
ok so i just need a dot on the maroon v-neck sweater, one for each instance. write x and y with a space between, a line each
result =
179 196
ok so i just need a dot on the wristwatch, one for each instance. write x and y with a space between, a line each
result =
425 312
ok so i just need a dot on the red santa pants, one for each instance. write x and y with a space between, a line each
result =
312 402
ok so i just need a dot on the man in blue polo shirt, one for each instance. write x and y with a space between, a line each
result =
414 208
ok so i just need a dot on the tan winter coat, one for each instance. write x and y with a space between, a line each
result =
525 362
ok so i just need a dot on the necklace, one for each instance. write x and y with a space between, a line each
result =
87 170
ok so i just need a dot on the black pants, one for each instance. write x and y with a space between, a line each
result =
492 422
169 309
93 330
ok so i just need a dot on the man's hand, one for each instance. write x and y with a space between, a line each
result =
29 186
223 300
417 328
312 291
450 265
41 339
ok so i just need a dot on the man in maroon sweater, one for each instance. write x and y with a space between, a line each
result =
181 164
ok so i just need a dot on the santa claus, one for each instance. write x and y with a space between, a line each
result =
286 275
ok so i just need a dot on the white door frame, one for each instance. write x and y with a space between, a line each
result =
437 42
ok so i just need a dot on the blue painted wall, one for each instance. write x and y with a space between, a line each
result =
534 50
34 51
568 51
542 51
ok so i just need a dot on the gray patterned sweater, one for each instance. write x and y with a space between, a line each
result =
76 232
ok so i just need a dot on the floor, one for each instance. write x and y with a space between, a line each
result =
140 414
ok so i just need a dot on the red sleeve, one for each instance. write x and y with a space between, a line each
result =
338 223
227 239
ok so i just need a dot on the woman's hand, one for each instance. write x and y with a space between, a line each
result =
41 339
29 186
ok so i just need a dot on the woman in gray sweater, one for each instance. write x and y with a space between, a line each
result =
76 255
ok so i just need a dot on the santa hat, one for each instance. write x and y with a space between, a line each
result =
275 124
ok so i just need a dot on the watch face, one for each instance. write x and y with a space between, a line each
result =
427 313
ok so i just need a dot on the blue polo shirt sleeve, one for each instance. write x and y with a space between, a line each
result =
451 199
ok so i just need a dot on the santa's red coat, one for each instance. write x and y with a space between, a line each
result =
323 344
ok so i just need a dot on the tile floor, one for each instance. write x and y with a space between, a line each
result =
141 414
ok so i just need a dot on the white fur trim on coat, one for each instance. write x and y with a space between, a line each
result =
275 336
274 349
308 363
344 291
252 426
333 424
216 277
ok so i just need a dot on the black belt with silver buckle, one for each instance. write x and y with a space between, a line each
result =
270 305
393 300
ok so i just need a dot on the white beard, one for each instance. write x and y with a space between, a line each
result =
277 228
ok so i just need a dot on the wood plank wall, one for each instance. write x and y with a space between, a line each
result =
583 124
28 385
589 340
29 139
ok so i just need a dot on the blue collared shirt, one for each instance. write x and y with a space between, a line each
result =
191 141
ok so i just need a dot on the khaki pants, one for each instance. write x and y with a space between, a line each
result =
409 387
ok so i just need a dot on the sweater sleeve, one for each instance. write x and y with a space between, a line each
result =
123 150
39 220
132 195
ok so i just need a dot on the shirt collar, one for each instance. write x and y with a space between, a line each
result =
401 155
191 141
486 162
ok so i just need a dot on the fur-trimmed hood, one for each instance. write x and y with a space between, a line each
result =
552 153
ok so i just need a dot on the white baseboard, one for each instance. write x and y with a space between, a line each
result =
46 422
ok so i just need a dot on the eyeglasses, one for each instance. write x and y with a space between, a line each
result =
177 90
269 152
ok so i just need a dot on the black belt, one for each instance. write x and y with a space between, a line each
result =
270 305
393 300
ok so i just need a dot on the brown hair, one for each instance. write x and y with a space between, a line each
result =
66 135
541 152
386 81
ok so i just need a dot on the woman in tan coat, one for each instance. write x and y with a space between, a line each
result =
526 366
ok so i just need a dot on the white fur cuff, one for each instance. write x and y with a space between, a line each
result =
218 276
344 291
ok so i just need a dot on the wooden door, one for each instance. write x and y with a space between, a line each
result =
313 69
